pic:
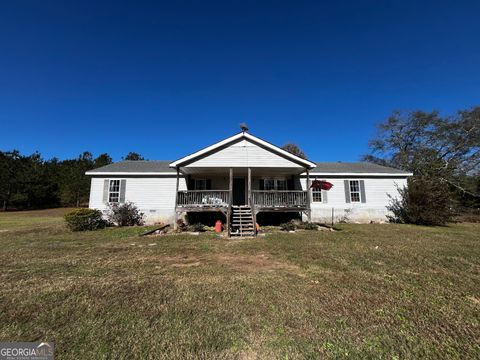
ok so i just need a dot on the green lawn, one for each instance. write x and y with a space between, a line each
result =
367 291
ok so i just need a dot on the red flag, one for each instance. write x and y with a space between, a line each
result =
321 184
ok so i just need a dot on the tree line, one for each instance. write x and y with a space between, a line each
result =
443 152
31 182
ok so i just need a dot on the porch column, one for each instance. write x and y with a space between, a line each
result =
249 187
230 193
309 211
176 200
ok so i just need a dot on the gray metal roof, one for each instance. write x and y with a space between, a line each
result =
161 166
354 167
135 166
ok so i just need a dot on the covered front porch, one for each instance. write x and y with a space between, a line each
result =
242 189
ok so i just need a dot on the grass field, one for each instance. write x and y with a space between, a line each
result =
367 291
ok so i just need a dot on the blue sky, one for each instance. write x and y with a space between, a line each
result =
167 78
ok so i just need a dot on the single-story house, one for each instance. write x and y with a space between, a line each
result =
242 176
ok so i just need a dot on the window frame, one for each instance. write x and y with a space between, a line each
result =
352 184
315 194
199 181
275 183
114 192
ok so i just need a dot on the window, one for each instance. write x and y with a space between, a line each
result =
274 184
281 185
114 191
200 184
316 195
354 191
269 184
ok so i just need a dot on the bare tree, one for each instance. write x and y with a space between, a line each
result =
294 149
443 148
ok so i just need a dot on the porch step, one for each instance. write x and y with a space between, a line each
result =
242 221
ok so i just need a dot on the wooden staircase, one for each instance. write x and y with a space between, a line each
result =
242 221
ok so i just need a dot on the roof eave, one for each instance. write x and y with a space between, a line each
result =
113 173
325 173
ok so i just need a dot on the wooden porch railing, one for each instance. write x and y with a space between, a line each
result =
203 198
280 198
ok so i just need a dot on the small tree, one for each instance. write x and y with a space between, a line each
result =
294 149
423 202
126 214
133 156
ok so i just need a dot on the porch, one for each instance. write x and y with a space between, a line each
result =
267 200
252 189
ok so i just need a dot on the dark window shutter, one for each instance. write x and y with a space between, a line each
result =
347 191
290 184
123 184
106 183
363 199
208 184
190 184
262 184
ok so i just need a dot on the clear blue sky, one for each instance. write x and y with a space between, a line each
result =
167 78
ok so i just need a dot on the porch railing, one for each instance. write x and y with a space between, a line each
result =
203 198
279 198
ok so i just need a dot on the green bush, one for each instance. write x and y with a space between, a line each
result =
311 226
288 226
126 214
423 202
199 227
85 219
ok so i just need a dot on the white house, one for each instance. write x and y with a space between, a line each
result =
243 176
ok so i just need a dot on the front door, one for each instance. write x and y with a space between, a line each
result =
238 191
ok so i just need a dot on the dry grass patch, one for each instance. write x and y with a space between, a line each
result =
368 291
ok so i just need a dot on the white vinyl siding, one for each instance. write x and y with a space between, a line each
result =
154 196
244 154
374 209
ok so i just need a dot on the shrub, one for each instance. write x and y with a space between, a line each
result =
311 226
288 226
85 219
199 227
423 202
181 226
126 214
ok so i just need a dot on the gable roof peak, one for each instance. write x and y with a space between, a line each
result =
246 135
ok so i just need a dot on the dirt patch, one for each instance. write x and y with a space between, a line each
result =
187 264
244 263
181 261
255 263
473 299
